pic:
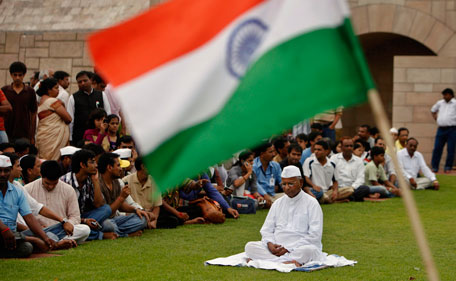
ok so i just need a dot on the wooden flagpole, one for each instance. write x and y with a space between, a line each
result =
410 205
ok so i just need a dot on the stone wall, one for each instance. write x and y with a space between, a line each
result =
49 50
443 11
418 83
58 15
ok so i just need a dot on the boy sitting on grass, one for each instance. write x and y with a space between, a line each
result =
375 176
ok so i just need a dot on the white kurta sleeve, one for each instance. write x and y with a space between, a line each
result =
359 175
73 213
70 110
106 104
267 231
425 169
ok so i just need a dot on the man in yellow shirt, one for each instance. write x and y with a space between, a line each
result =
401 141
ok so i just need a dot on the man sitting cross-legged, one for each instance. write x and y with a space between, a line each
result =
39 209
115 195
144 191
412 162
13 201
350 170
267 173
61 198
375 176
293 227
320 174
84 179
388 164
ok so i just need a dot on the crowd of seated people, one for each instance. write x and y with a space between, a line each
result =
70 173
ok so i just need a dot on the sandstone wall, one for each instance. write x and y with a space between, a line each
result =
49 50
418 83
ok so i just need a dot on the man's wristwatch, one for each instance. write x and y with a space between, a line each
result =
64 221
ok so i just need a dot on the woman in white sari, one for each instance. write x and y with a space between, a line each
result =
53 132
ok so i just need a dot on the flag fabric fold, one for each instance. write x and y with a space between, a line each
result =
200 80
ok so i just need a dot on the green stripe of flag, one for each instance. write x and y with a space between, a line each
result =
298 79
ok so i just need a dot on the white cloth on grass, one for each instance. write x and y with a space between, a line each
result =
240 260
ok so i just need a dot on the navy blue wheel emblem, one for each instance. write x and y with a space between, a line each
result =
243 42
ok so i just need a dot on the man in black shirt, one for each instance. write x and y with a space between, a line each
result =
82 103
293 157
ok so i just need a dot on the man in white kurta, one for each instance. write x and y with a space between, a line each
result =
62 199
293 228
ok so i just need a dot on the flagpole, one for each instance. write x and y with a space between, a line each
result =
410 205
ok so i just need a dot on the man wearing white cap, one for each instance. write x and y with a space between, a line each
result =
12 202
65 158
293 228
126 154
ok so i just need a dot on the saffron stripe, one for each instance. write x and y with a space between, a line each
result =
160 35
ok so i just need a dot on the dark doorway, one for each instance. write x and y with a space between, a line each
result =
380 49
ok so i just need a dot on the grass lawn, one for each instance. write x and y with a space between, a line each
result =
377 235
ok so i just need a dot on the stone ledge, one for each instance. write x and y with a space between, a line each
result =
428 61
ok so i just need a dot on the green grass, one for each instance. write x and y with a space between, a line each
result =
377 235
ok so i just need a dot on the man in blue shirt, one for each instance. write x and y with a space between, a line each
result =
12 202
268 173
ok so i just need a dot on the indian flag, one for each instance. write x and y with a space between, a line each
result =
200 80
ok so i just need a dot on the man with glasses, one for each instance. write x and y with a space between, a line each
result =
293 229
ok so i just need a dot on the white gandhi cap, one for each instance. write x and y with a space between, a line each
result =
290 172
124 153
68 150
5 161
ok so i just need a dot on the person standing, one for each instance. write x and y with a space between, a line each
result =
444 112
328 121
82 103
21 123
53 132
63 78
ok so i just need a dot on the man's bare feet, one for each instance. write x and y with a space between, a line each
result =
39 246
65 244
248 260
374 195
293 262
135 234
110 235
198 220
